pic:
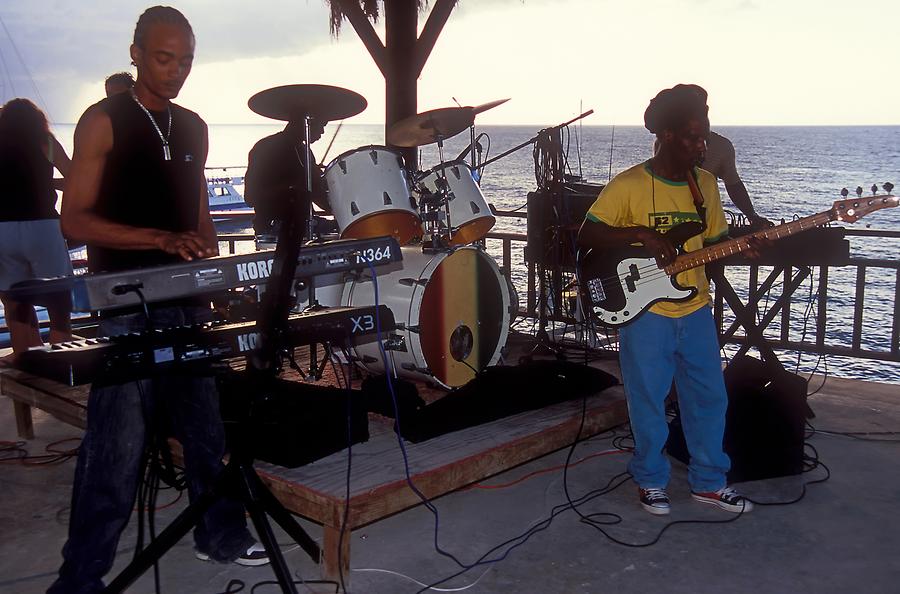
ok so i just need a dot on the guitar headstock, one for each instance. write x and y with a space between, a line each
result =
852 209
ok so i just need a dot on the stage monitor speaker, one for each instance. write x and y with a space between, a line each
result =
546 246
291 423
763 426
502 391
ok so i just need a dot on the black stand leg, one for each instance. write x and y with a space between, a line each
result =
237 477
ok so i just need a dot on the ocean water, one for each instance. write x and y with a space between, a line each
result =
789 172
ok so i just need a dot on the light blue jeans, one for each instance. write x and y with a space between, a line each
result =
654 351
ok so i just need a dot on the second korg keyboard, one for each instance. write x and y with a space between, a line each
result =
136 355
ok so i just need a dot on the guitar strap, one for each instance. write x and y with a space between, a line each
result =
698 197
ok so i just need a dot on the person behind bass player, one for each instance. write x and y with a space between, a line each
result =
137 197
672 341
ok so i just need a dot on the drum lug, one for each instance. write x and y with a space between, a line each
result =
413 281
395 342
401 326
412 367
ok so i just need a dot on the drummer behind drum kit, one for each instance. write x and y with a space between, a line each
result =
449 298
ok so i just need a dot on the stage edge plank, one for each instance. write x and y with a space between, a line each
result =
316 491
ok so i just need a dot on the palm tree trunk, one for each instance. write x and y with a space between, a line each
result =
401 19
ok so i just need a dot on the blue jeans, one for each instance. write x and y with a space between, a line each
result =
110 456
654 350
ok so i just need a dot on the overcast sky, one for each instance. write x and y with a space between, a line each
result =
763 61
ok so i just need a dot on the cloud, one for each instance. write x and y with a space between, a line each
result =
65 44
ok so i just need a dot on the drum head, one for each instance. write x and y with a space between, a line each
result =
463 317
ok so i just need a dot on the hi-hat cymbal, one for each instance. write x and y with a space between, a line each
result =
321 102
489 105
430 126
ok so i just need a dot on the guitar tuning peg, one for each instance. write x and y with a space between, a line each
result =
888 186
874 189
845 192
859 191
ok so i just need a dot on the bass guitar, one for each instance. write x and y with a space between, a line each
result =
618 285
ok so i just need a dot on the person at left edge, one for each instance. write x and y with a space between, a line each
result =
137 197
31 245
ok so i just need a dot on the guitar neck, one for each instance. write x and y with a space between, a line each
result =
738 245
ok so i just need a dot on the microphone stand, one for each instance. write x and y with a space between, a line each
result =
534 138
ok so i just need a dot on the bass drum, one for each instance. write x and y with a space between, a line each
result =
369 195
454 307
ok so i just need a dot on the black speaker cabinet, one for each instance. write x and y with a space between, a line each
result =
291 423
764 424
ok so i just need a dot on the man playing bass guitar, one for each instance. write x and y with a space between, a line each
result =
672 340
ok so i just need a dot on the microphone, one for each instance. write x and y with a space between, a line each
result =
468 149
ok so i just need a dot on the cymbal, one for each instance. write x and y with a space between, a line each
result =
430 126
489 105
321 102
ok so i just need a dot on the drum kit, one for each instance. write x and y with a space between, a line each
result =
449 297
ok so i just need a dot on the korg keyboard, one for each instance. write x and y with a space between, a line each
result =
113 290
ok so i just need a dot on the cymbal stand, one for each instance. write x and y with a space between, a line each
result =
444 188
314 371
472 146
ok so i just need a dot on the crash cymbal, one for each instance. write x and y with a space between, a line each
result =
489 105
430 126
321 102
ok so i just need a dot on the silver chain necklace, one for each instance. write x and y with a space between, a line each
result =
167 154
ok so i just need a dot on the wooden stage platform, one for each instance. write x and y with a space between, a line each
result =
378 484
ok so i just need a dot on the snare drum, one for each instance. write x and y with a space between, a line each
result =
369 195
455 311
470 217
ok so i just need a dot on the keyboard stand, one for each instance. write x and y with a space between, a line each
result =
238 479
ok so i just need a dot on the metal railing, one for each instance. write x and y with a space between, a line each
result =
829 336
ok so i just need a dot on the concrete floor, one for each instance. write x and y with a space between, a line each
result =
843 536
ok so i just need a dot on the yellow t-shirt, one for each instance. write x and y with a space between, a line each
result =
637 197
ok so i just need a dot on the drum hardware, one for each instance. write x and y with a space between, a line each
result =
395 343
415 369
412 281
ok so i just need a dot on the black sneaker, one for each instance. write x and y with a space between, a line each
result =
655 501
254 555
725 498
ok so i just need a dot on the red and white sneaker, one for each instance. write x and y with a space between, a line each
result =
727 499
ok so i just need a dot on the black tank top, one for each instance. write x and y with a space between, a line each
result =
27 175
140 188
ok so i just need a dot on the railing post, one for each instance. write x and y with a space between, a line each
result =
858 303
822 307
895 327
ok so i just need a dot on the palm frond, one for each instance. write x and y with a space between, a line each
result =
371 8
